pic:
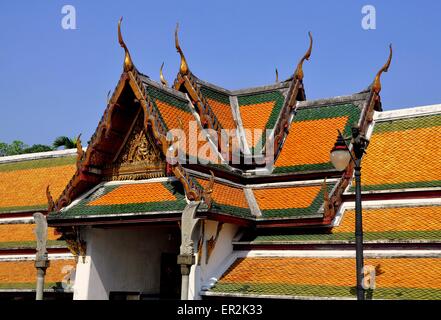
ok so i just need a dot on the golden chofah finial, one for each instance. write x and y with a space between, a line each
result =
277 75
376 87
183 68
299 71
128 63
161 76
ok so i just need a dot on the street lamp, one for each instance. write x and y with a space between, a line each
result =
340 158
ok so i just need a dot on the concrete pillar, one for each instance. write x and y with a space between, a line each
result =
186 261
41 266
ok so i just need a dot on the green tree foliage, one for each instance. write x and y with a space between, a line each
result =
19 147
66 142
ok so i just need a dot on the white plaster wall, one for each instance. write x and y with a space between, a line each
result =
201 275
123 259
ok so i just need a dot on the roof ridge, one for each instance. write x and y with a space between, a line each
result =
404 113
334 100
157 85
38 155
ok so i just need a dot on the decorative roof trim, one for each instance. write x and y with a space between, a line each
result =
161 76
337 253
183 67
376 87
239 129
31 257
245 91
361 96
177 94
38 155
298 74
128 63
252 202
407 113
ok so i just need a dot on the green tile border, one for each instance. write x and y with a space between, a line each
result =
350 236
417 122
38 207
215 95
30 244
83 209
38 163
392 186
30 285
325 291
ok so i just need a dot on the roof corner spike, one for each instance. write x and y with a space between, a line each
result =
128 63
277 76
299 71
376 87
183 68
80 151
161 76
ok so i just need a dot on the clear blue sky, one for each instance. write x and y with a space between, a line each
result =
54 81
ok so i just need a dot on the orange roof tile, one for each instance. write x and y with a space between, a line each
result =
286 197
26 186
227 195
223 112
17 272
394 219
196 145
310 142
402 157
395 272
135 193
255 116
22 232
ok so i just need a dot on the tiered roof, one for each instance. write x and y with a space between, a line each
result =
409 138
327 277
24 179
401 229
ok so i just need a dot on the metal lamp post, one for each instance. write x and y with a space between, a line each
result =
340 158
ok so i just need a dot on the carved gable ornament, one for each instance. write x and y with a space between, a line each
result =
139 157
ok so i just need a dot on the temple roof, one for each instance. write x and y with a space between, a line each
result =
405 223
19 274
24 179
313 132
403 143
329 277
162 195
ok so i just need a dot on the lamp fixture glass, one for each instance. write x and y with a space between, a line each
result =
340 154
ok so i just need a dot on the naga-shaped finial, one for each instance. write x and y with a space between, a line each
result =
108 96
161 76
50 200
183 68
209 190
277 75
299 71
376 87
80 151
128 63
